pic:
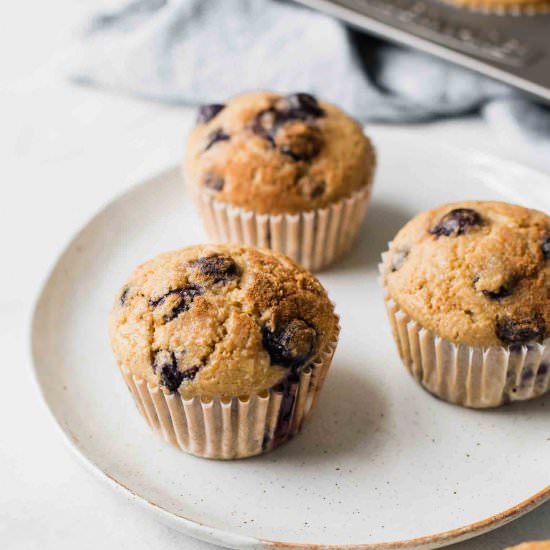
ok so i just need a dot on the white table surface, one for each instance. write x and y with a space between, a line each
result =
66 152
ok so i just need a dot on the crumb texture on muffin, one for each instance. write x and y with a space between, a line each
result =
220 321
476 273
277 154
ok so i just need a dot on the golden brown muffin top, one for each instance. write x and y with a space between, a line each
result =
220 321
539 545
272 154
476 273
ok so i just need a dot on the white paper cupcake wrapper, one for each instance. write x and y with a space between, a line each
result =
228 428
467 375
314 239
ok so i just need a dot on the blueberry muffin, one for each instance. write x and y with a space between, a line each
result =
283 172
224 348
505 6
467 289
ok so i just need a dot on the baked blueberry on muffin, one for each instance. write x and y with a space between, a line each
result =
505 6
223 348
289 173
467 291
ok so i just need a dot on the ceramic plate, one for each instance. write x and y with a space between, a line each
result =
380 464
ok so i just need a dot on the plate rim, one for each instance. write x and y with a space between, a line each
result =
216 535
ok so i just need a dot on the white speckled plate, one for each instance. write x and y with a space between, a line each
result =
381 463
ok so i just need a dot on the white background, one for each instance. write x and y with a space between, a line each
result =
66 151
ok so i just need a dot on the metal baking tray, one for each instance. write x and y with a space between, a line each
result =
514 49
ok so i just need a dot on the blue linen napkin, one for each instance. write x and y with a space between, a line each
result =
202 51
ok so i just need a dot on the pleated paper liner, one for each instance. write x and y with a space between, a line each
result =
502 8
237 427
466 375
314 239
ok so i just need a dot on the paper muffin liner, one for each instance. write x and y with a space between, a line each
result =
495 8
466 375
236 427
314 239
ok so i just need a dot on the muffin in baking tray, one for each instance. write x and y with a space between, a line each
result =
223 348
289 173
516 7
467 291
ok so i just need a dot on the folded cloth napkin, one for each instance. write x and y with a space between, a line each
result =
202 51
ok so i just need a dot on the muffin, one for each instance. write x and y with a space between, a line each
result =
540 545
287 173
467 292
224 349
505 6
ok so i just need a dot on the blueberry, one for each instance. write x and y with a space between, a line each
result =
289 389
456 222
213 181
502 291
305 150
286 411
190 373
545 246
301 106
286 386
215 137
124 295
163 357
286 150
318 190
171 377
166 364
543 369
208 112
186 296
311 188
299 148
292 107
521 331
217 268
291 345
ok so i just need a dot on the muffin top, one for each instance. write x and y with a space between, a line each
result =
476 273
220 321
273 154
